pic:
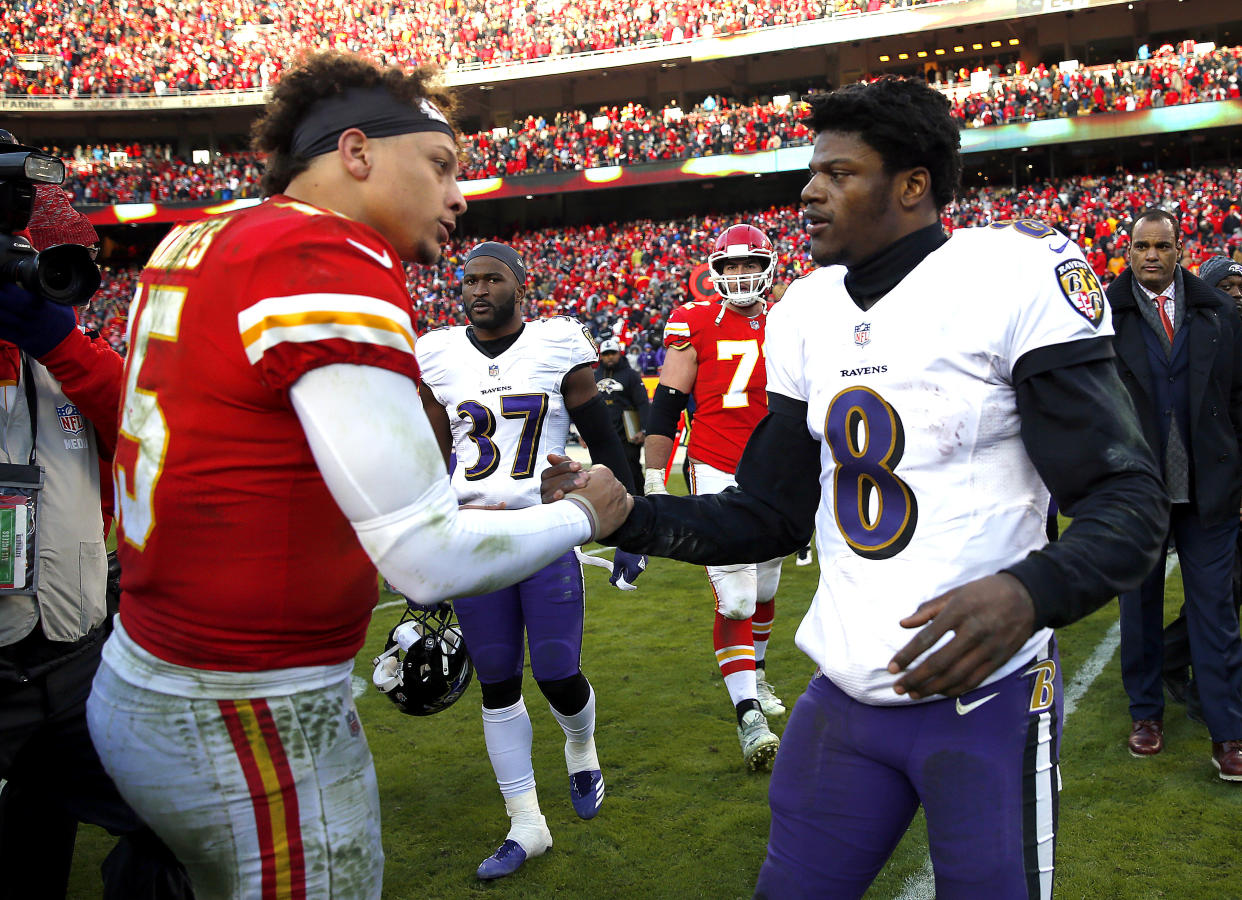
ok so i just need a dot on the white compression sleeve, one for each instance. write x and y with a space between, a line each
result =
377 454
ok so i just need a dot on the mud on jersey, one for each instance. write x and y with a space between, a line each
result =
235 556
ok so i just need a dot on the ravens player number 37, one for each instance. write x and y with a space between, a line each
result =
500 394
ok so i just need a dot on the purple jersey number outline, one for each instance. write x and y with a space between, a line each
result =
866 471
532 408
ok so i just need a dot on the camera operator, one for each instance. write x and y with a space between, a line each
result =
59 395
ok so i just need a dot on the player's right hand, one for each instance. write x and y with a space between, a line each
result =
653 482
604 499
562 476
990 619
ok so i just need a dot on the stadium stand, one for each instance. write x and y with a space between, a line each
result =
621 281
631 134
64 47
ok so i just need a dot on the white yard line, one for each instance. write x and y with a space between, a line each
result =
923 885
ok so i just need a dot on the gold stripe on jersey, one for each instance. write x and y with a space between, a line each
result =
679 328
303 318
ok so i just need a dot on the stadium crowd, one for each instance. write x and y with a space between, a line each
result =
613 135
631 134
157 46
622 280
1169 78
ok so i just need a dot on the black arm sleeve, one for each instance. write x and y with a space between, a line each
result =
770 513
595 425
1082 433
666 410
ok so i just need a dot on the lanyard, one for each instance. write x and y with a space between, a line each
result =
32 406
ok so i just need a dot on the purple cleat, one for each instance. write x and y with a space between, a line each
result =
507 859
586 792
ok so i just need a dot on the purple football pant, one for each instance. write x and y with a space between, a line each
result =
849 777
548 606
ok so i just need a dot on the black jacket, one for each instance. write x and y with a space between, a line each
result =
622 389
1215 389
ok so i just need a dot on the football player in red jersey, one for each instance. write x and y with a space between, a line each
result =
263 474
715 354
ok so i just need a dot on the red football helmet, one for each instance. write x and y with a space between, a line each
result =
740 243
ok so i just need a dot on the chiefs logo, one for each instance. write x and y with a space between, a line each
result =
701 287
1082 289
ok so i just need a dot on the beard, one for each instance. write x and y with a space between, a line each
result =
498 317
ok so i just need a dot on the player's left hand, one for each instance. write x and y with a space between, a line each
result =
32 323
991 618
626 567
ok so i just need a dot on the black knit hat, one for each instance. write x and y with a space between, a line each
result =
1218 268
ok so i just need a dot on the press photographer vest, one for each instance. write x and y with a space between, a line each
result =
72 558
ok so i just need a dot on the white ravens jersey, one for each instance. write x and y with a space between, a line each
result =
924 481
507 412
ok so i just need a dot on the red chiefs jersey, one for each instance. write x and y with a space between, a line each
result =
730 389
235 556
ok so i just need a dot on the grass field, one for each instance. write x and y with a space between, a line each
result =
682 818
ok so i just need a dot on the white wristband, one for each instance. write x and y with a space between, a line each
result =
653 482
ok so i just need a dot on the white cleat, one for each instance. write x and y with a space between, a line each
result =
759 744
771 704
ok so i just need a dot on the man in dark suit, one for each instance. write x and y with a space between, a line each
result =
1179 354
1225 275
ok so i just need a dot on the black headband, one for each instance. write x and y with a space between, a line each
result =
505 254
374 111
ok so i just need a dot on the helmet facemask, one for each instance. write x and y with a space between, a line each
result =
425 666
744 288
742 243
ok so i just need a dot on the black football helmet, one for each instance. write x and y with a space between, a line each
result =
424 667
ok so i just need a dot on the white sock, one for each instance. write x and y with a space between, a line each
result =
579 736
741 686
508 735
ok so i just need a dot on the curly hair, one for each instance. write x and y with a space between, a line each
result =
323 75
904 121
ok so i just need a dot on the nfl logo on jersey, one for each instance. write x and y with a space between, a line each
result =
494 371
862 334
70 419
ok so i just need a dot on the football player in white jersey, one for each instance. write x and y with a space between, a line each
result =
945 382
500 394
